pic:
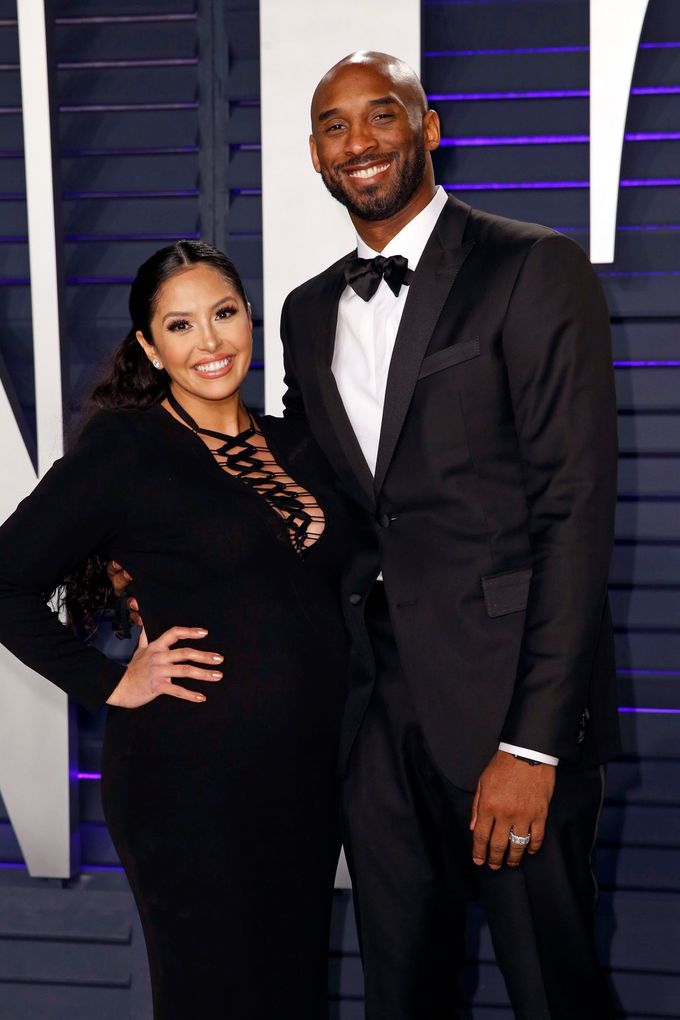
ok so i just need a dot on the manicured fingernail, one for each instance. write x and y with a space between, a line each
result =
125 574
200 697
217 675
478 860
200 630
217 658
116 566
494 867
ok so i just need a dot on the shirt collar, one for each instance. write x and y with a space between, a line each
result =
411 239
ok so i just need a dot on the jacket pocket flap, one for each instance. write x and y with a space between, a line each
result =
506 593
453 355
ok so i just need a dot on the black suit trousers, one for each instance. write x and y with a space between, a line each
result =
409 850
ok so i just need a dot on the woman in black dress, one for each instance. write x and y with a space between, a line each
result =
219 791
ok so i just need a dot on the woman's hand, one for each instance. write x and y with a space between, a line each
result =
155 664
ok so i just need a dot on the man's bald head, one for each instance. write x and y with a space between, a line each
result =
400 76
372 138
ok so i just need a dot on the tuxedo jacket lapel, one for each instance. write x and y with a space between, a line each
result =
336 428
437 269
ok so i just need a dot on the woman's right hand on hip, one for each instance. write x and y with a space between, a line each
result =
156 664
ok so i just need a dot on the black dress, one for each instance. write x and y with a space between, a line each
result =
223 813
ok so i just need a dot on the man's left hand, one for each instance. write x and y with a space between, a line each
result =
511 795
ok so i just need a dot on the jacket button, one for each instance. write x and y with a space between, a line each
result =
384 520
355 599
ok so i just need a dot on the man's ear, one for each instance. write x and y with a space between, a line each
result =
432 133
314 154
148 348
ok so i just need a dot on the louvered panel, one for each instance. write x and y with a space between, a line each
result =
648 520
9 847
539 51
132 216
648 434
112 84
652 338
647 476
650 735
14 261
648 389
243 221
641 293
132 172
245 213
642 690
640 825
74 953
13 179
46 962
655 782
646 868
125 129
243 124
54 1002
16 350
128 96
640 650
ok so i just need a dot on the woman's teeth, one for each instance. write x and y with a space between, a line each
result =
213 366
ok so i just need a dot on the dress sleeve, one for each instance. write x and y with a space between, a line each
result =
74 510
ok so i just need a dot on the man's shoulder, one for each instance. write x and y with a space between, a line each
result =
513 242
489 228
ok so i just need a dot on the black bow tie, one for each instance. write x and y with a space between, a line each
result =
364 275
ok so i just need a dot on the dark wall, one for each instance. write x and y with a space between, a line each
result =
148 153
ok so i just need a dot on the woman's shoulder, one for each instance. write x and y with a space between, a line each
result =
119 421
119 434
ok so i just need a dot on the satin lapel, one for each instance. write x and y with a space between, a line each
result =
336 429
432 281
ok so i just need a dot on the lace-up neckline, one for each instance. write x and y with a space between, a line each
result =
248 457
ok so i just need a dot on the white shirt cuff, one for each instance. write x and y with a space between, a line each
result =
545 759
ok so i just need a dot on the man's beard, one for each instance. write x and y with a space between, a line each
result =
371 204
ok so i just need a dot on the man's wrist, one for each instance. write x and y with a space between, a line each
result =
528 754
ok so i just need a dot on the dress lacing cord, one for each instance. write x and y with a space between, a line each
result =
254 464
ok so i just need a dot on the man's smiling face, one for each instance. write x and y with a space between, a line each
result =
369 139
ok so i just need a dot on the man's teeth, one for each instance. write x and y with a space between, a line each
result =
370 171
213 366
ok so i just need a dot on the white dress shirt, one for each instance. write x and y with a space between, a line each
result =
364 342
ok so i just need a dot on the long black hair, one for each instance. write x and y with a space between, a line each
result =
132 382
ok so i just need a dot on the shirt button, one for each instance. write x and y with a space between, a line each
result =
355 599
384 520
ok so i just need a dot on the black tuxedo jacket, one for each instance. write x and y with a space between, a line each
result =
491 513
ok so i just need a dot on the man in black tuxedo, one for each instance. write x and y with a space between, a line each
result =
456 370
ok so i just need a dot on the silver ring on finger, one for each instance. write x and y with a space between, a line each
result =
519 840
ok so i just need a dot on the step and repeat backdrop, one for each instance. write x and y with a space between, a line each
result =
159 136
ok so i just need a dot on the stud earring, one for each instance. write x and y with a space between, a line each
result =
156 363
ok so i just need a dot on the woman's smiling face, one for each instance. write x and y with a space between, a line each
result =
201 332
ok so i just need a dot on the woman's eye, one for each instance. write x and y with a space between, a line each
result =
226 312
178 326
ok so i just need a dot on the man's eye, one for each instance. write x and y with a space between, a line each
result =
333 128
178 326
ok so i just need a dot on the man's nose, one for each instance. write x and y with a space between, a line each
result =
360 139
